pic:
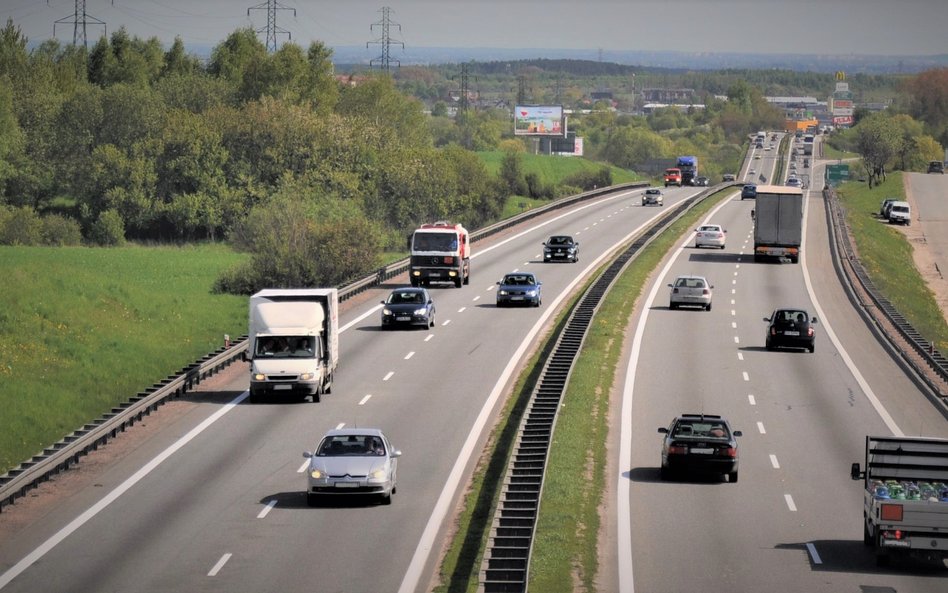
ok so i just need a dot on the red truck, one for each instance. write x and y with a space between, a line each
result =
440 252
673 176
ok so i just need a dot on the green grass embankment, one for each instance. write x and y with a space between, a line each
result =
887 257
83 329
565 548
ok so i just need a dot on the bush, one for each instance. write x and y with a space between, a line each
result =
536 189
20 226
108 229
59 231
590 179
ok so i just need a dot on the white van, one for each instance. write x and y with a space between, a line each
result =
900 212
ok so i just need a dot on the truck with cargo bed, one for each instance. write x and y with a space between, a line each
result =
778 222
294 342
905 511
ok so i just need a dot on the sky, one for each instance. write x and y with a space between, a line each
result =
881 27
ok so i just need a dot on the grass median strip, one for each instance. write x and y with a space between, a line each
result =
565 556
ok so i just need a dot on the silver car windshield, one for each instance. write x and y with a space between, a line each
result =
351 446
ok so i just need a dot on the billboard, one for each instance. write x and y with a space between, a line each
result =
538 120
843 120
842 104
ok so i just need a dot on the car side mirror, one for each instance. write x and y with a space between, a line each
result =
396 453
498 284
855 473
670 286
738 433
539 284
544 244
767 319
663 429
813 320
307 454
381 302
710 286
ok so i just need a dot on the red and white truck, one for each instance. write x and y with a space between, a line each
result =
672 176
440 252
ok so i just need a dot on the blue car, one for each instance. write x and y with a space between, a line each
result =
749 191
408 306
518 288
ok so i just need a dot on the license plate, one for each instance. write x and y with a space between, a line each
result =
434 274
347 485
516 298
791 333
403 319
701 451
282 387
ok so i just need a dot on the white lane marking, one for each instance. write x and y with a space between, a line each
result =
813 553
773 461
760 428
745 375
426 543
732 302
515 270
623 492
733 291
824 322
733 312
586 229
492 287
735 273
733 325
266 510
447 321
477 298
388 376
751 400
365 399
409 355
109 498
526 263
595 223
340 425
461 310
740 356
734 281
429 337
220 564
303 467
790 504
738 266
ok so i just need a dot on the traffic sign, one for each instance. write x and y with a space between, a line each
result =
837 173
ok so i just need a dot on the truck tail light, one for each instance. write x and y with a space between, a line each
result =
891 512
897 534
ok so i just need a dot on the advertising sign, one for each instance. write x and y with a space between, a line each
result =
842 104
847 111
538 120
843 120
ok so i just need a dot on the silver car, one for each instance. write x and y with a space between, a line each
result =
712 235
352 461
692 291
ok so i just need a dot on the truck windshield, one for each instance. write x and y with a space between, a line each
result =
286 347
435 242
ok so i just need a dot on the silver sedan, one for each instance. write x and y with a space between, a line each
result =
352 461
692 291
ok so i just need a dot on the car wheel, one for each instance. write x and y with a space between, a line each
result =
387 499
672 306
312 500
811 348
664 473
722 247
254 397
769 346
708 307
432 322
318 395
732 477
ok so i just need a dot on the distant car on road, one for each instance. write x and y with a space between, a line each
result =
749 191
351 461
692 291
561 248
653 196
519 288
794 182
408 306
790 328
936 167
728 177
711 235
702 181
699 443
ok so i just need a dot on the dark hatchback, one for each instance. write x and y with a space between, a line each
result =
408 306
561 248
699 444
790 328
749 191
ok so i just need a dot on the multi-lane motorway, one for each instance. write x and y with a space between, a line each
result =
214 500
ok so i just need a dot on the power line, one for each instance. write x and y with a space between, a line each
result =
272 30
385 41
79 20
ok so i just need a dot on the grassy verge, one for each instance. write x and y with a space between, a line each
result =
830 152
82 329
554 169
887 256
782 151
569 521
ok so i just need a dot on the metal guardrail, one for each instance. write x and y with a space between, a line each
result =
506 563
855 272
68 451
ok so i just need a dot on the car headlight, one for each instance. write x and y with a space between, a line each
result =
378 474
502 292
532 293
317 474
386 311
307 376
259 377
421 311
547 250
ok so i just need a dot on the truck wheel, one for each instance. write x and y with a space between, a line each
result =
318 395
414 282
458 281
866 536
882 559
467 278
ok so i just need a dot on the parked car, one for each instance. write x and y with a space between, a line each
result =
884 208
699 443
710 235
702 181
351 461
653 196
790 328
749 191
936 167
900 213
519 288
408 306
691 291
728 177
561 248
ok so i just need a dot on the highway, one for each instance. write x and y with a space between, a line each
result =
793 521
214 500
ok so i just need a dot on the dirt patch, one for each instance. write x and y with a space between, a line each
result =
922 255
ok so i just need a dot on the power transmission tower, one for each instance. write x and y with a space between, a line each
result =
79 19
272 6
384 61
464 104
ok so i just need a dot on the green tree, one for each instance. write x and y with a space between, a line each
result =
177 62
511 174
238 57
377 103
877 141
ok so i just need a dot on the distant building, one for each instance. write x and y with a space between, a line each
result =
655 95
650 107
601 95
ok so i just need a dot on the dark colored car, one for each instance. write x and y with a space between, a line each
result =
561 248
936 167
702 181
700 444
408 306
749 191
790 328
518 288
728 177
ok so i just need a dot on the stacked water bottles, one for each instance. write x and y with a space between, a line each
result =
908 490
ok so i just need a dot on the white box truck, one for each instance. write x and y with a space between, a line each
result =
905 511
294 342
778 222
